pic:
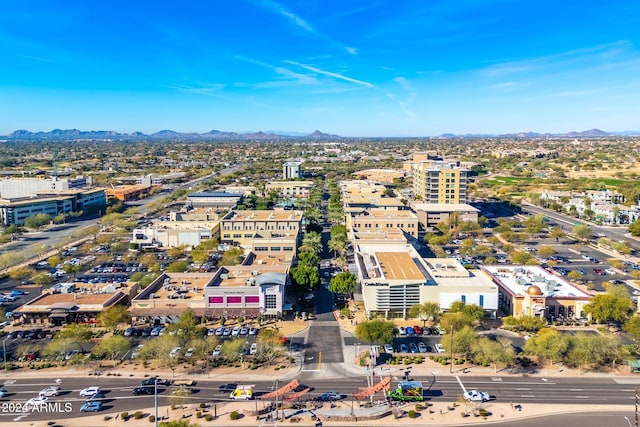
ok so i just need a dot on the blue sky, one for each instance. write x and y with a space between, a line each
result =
346 67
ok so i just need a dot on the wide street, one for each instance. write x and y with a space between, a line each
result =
444 388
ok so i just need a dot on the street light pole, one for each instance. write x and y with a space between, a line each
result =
4 355
155 400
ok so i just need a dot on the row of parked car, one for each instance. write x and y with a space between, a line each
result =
417 330
233 332
414 348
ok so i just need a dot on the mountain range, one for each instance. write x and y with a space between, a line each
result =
75 134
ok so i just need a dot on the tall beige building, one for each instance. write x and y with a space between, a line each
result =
439 182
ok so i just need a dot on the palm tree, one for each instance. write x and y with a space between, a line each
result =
311 242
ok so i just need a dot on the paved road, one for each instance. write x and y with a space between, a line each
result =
575 391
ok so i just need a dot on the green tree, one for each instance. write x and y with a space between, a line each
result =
113 316
112 348
71 269
179 266
187 327
42 279
546 251
376 331
556 233
473 312
549 343
232 349
306 276
487 351
343 283
311 242
76 333
581 231
177 423
232 256
634 228
35 222
521 257
425 311
615 305
632 327
463 341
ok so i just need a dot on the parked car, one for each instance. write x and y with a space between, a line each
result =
253 331
439 348
217 351
235 331
188 353
418 330
410 331
227 332
404 348
388 348
402 330
413 347
253 349
422 347
175 351
244 330
3 392
219 331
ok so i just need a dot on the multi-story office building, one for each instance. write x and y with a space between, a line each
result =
439 182
277 232
291 170
291 189
16 211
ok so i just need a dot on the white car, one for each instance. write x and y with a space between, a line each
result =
476 396
217 351
36 401
188 353
175 351
439 348
388 348
610 271
236 331
254 349
50 391
90 391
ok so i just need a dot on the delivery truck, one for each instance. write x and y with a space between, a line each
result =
407 391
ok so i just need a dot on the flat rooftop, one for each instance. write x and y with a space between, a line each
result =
518 279
386 214
442 207
264 215
398 266
186 286
78 299
241 275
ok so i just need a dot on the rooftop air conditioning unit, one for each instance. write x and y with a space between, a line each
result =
224 276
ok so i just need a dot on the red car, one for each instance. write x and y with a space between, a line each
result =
599 272
417 330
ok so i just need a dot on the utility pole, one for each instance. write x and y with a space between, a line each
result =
636 399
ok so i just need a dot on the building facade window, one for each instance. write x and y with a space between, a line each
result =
270 302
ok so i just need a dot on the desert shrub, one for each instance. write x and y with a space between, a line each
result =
208 417
152 418
138 415
412 414
235 415
124 416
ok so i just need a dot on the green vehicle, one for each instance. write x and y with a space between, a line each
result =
407 391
